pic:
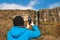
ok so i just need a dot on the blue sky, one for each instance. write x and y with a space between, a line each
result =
29 4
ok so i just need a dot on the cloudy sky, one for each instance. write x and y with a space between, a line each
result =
29 4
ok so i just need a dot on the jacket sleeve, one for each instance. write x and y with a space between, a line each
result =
35 32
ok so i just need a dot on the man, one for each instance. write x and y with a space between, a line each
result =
19 32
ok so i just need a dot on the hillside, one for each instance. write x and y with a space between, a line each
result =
48 22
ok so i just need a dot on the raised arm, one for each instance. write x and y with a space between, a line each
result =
35 32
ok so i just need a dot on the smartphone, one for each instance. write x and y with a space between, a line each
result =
29 20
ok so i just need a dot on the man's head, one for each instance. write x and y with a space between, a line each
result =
18 21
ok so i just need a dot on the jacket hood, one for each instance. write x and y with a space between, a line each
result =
17 31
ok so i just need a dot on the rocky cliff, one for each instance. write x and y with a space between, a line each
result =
48 22
49 15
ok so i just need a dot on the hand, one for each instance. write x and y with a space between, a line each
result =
32 24
28 25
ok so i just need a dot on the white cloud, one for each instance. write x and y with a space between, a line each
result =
32 3
54 5
13 6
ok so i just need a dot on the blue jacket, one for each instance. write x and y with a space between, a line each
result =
18 33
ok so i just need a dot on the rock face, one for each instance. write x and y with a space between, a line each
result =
48 22
49 15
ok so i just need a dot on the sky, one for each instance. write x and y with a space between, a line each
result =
29 4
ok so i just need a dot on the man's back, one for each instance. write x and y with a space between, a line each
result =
19 33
